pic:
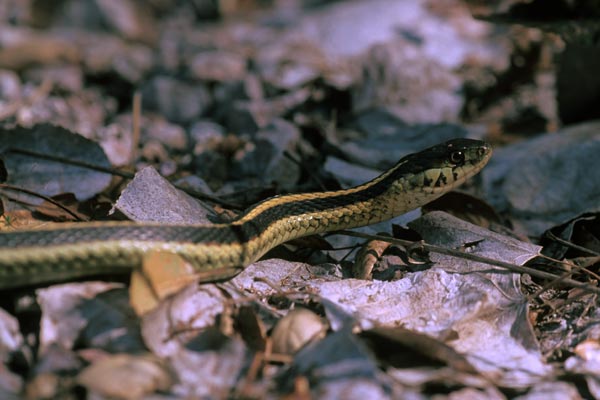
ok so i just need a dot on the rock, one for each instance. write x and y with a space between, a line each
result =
10 85
204 133
103 54
170 135
211 166
266 159
131 19
151 198
178 101
68 78
218 65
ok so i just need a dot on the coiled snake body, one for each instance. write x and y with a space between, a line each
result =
37 257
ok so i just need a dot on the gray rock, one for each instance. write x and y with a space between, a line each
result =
178 101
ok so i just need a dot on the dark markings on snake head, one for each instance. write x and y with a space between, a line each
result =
442 180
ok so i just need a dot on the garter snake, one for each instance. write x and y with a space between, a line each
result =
37 257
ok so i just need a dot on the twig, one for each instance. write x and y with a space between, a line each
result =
473 257
41 196
122 174
571 268
575 268
135 125
562 241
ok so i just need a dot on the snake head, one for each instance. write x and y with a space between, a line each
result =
443 167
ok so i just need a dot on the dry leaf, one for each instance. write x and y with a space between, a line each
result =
299 327
126 377
161 275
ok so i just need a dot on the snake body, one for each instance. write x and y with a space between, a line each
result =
37 257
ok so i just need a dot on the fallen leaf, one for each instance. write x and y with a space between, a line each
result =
126 377
161 275
51 177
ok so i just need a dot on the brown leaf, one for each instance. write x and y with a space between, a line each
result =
52 211
126 377
162 274
35 48
298 328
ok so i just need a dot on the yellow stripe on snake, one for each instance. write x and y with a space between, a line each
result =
37 257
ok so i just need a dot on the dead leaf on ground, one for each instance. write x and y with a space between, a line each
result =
125 376
51 177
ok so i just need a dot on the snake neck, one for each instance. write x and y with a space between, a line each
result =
285 218
394 193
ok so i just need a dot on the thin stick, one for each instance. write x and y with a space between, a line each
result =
41 196
117 172
562 241
135 125
473 257
575 268
571 268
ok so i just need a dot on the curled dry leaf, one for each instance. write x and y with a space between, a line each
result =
161 275
126 377
296 329
367 257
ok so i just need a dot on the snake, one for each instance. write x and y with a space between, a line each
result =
37 257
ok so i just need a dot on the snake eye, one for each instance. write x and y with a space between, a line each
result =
457 157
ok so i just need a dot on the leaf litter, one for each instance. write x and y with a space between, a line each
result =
244 108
